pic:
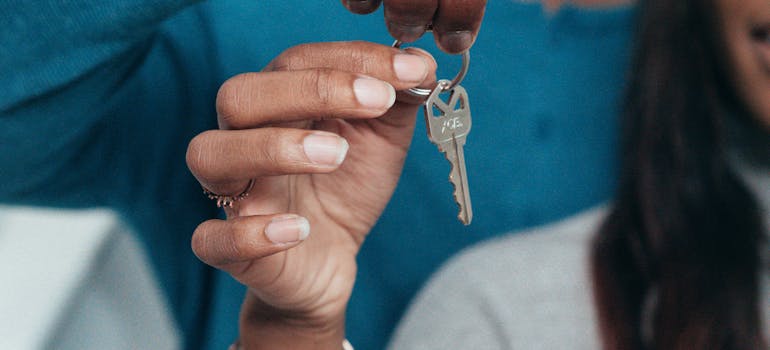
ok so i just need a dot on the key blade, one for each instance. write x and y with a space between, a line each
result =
457 176
459 179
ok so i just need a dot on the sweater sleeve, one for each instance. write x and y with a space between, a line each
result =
526 290
97 96
49 44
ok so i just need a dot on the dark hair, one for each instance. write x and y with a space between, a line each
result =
676 263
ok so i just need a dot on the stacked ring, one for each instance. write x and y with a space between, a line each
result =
228 201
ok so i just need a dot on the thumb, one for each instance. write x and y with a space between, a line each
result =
428 83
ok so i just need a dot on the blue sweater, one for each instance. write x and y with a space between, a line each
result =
99 100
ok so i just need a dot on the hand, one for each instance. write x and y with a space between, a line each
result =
455 22
289 128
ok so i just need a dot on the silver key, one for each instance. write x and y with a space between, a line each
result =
447 128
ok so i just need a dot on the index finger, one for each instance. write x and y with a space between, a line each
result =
457 23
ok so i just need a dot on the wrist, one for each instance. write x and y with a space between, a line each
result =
264 327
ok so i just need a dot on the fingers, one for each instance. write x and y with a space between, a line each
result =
319 81
222 243
361 6
253 99
219 157
457 24
305 84
407 20
400 69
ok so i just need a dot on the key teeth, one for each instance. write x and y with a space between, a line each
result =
462 214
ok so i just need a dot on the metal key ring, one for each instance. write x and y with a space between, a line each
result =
421 92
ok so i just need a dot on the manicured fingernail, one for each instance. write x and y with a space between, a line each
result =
373 93
325 149
287 229
456 42
405 32
410 68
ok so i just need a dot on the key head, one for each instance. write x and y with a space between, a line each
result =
450 119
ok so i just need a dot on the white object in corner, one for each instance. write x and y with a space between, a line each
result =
77 280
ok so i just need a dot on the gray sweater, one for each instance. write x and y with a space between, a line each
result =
527 291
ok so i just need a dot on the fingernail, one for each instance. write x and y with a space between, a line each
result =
405 32
287 229
410 68
456 42
373 93
325 149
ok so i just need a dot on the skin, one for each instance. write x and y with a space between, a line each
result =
746 27
298 290
455 23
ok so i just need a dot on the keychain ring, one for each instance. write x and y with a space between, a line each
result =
421 92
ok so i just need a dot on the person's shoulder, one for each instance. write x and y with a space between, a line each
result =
528 290
569 237
526 264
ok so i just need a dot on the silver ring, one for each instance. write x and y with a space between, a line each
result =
420 92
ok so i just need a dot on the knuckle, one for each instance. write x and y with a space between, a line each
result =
265 149
242 245
284 61
292 58
282 156
273 152
322 86
279 64
363 57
